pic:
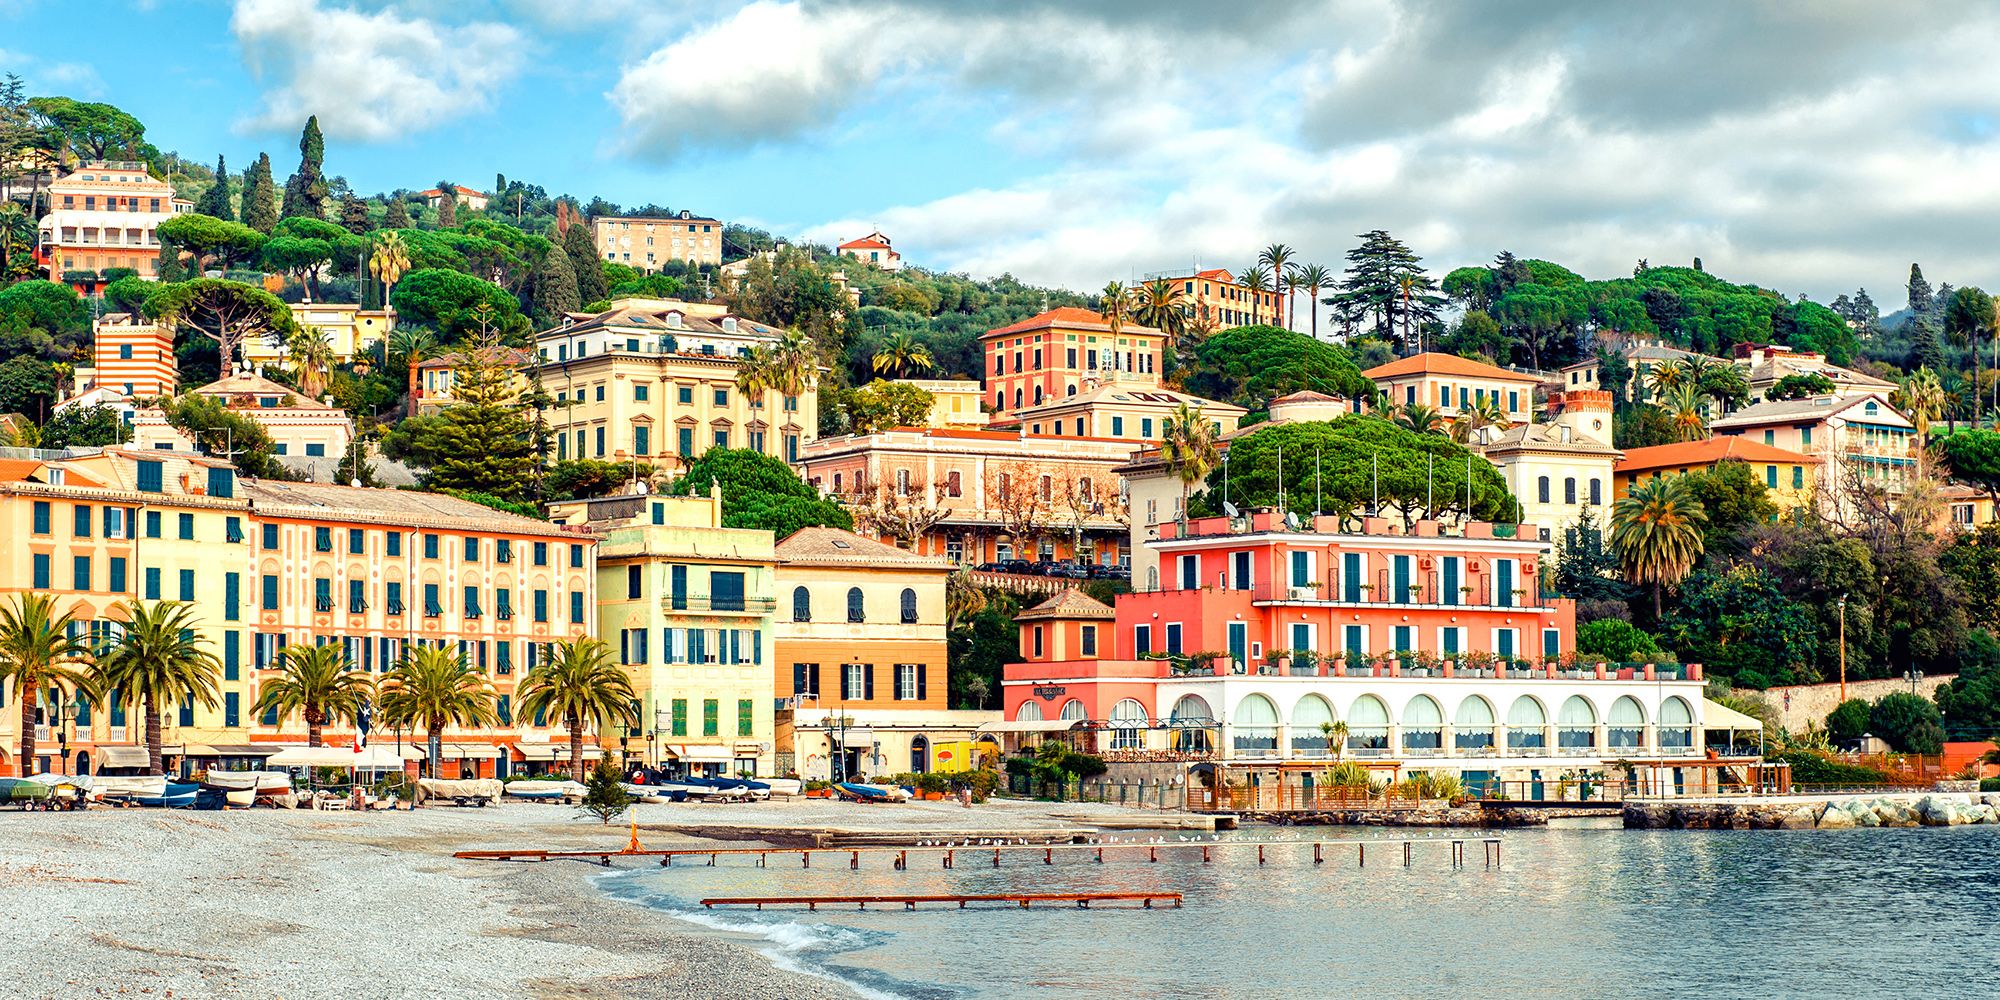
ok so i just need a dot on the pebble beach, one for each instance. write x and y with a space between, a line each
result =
302 905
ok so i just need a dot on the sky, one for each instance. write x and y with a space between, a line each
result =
1811 146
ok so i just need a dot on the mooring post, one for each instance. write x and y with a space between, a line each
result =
947 857
666 861
1406 853
1361 853
1204 853
805 859
1260 854
996 857
854 863
1048 855
902 860
711 859
1155 853
1100 855
1318 857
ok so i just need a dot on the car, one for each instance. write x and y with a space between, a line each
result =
1017 566
991 567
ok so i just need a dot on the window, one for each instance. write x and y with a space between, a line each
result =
640 391
541 605
357 601
686 442
642 440
503 550
634 581
1090 640
722 397
471 549
393 595
270 536
150 478
685 394
1771 476
232 530
82 525
187 585
232 596
1173 637
270 602
322 594
909 606
432 608
576 557
576 607
801 604
725 591
1542 489
722 438
857 681
678 582
222 483
42 518
80 571
1798 477
855 604
745 717
1596 492
1569 490
680 717
151 587
711 722
907 677
541 553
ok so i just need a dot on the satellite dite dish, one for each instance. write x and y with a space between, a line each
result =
1229 509
1291 520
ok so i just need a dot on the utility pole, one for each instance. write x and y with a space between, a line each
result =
1842 604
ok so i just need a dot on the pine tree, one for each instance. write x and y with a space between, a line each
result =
305 190
582 250
480 443
555 287
603 796
398 216
1926 346
447 205
1374 288
354 215
215 200
1920 291
260 206
1866 314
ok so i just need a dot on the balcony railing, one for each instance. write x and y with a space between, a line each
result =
707 602
1423 664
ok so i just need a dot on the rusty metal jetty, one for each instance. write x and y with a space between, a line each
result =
951 853
1081 900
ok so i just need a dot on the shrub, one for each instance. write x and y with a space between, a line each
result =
1989 784
603 796
1815 768
982 782
1847 722
1909 723
933 783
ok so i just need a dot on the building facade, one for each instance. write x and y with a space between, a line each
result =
976 496
298 428
860 633
1861 438
1450 385
1560 469
655 381
954 402
104 215
1789 477
687 604
351 332
132 357
1218 296
1061 352
265 565
875 249
646 244
1135 410
463 196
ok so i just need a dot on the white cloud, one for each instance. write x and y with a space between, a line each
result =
370 76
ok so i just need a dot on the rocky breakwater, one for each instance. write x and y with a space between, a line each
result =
1844 812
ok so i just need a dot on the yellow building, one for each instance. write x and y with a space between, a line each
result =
648 243
351 332
300 428
687 605
1121 411
266 564
954 402
1449 384
1789 476
436 376
655 381
1216 294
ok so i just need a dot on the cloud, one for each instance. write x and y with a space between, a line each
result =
369 76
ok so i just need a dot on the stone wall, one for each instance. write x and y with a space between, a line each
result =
1803 703
1841 812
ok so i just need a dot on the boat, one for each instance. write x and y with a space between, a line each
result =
23 791
173 795
545 791
242 798
870 793
655 793
129 786
783 786
464 791
259 783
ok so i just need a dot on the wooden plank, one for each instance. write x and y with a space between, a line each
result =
1081 899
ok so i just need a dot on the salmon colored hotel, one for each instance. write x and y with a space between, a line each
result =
1431 643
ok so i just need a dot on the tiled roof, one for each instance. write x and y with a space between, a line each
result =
865 243
395 506
1071 603
1544 437
1435 363
1069 318
1306 396
1707 451
250 384
627 314
824 546
1810 408
14 470
515 356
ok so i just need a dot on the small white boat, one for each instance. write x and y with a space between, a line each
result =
242 798
129 786
545 791
784 786
258 783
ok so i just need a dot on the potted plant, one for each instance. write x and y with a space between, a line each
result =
1416 591
1364 588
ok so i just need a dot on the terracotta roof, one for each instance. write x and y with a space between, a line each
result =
1707 451
1068 317
394 506
258 385
1071 603
14 470
1216 274
865 243
516 356
1123 393
458 188
1435 363
824 546
1306 396
1813 408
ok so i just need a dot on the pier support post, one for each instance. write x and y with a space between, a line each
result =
1318 856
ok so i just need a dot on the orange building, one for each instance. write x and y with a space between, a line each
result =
1230 303
1055 354
1449 384
135 358
103 215
1789 476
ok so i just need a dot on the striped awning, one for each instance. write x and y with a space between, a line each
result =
555 751
123 757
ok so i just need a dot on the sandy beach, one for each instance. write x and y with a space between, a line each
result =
295 904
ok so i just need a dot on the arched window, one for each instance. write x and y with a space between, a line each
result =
1596 492
1074 711
1256 725
1311 712
1676 724
1626 726
1472 724
802 604
1542 489
1028 712
1569 490
855 605
1190 724
1576 725
1526 720
1128 725
1423 724
1368 725
1038 394
909 606
1017 399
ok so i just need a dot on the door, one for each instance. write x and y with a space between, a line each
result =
1239 644
920 755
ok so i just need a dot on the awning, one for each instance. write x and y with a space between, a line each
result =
234 749
194 750
555 751
123 757
1718 716
852 735
453 751
1038 726
701 753
372 758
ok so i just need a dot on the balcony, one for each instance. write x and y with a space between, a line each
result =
1471 665
707 602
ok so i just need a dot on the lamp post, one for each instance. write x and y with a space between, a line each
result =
1842 605
66 712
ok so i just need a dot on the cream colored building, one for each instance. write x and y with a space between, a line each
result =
687 605
299 428
1861 438
646 244
954 402
1450 384
656 381
1562 468
1766 366
1120 410
104 215
436 376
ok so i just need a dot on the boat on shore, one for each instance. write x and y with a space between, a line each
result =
545 791
871 793
129 786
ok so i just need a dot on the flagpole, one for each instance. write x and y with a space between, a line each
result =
1318 507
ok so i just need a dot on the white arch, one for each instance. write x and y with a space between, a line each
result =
1310 711
1674 712
1527 711
1073 709
1029 711
1473 711
1192 708
1256 710
1368 711
1129 714
1422 711
1626 712
1577 712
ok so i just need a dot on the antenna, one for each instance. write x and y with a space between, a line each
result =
1291 520
1229 509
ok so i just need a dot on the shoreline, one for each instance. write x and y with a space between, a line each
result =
300 904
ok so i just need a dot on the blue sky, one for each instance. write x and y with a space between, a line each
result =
1813 147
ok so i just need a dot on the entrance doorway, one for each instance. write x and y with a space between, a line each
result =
920 755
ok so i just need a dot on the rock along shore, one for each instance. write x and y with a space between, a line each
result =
1840 812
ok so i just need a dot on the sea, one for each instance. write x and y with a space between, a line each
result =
1568 913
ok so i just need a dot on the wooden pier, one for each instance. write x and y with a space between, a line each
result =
1081 900
949 855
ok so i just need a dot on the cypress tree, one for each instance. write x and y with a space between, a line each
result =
305 190
447 205
590 285
555 288
398 216
1920 292
215 200
354 215
260 206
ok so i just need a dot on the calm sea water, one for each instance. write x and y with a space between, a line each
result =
1600 913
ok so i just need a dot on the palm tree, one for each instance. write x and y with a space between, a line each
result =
789 364
160 661
411 345
314 681
903 353
1336 737
1473 421
433 688
1420 418
962 598
580 685
1277 258
388 263
1686 410
1922 397
311 356
1162 305
1656 529
36 651
1188 446
1253 278
1115 303
1312 278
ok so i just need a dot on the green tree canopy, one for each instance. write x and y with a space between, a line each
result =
219 431
53 308
759 491
260 196
1252 365
1344 462
1908 723
446 299
881 405
305 191
215 243
1619 641
1737 624
1801 385
1734 497
85 427
1971 701
92 131
555 285
27 386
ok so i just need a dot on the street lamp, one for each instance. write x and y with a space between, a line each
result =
66 712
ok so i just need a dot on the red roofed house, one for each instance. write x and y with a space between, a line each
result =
874 248
464 196
1062 352
1787 475
1451 384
